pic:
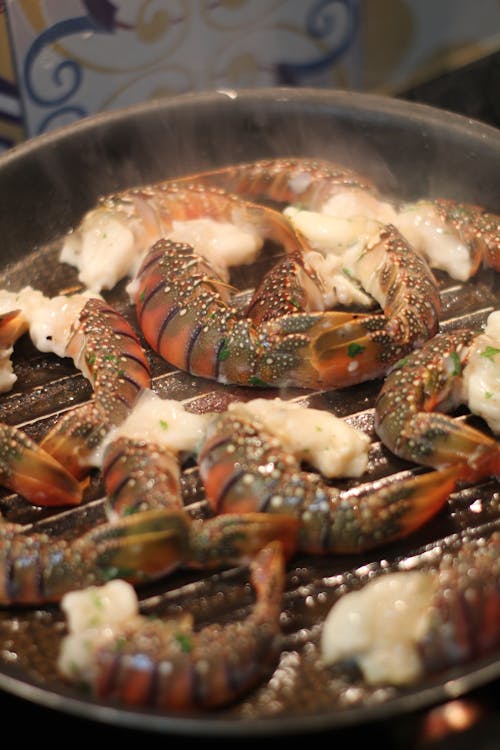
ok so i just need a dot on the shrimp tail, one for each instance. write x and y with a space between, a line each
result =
76 437
234 538
141 546
29 470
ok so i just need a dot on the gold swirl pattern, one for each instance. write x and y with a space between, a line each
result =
146 35
77 58
163 80
250 59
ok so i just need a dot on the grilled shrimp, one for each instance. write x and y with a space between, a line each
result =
104 347
342 213
189 319
308 181
107 350
170 665
36 568
454 236
141 458
318 347
141 469
405 624
410 409
25 467
245 468
139 217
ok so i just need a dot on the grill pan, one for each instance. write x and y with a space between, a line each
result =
46 185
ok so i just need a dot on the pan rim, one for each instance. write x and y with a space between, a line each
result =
343 99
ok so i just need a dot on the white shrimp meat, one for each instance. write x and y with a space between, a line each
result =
427 232
481 376
93 616
379 627
108 247
326 442
164 422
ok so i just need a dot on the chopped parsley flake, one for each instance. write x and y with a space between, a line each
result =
253 380
164 424
490 352
185 642
457 364
97 601
223 351
402 362
354 349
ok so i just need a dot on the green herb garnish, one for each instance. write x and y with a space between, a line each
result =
223 351
457 364
185 642
490 352
354 349
253 380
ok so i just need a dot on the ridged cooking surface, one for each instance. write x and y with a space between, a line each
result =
301 689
